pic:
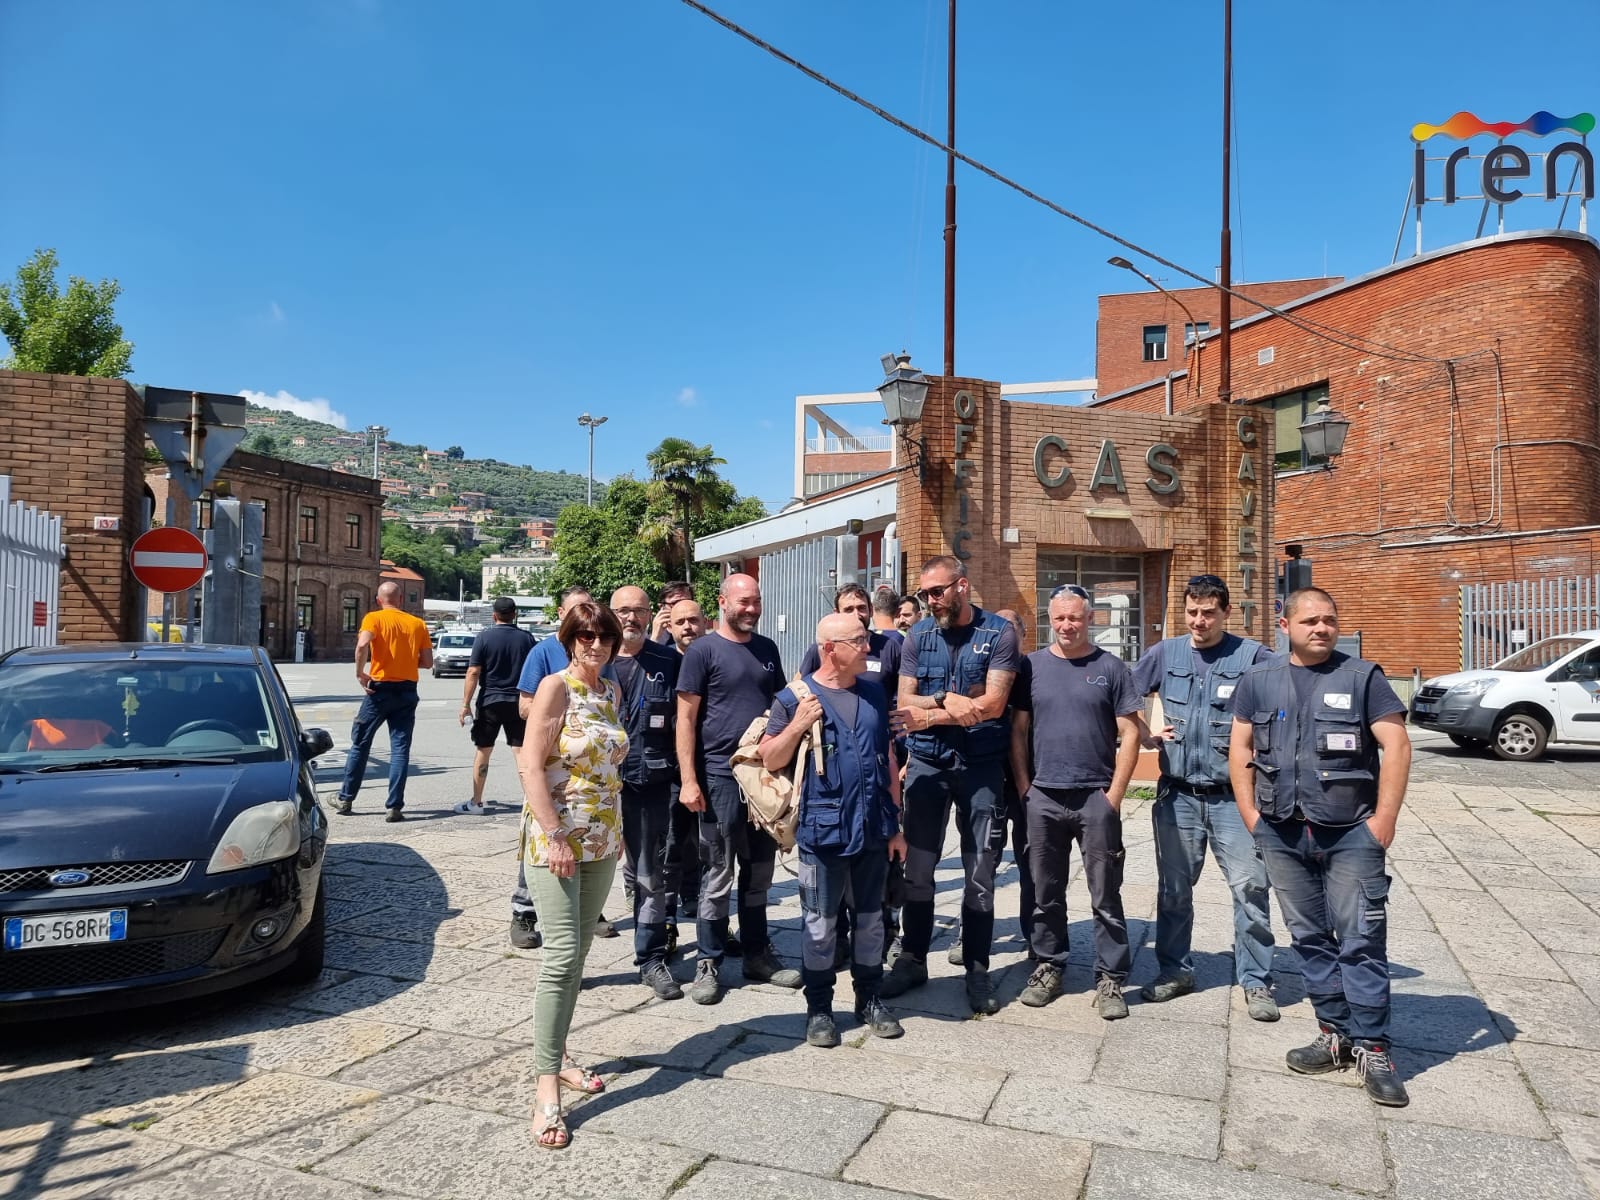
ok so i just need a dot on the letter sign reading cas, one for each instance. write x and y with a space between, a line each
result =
168 559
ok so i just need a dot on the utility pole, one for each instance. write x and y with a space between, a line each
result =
592 423
378 433
950 209
1225 372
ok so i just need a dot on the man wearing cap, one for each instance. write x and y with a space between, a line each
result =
498 653
1196 677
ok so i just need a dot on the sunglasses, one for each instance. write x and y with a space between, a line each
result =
591 635
1070 589
936 592
1205 581
861 640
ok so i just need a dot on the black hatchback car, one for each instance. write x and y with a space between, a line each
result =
160 835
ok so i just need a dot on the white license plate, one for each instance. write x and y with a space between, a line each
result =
66 929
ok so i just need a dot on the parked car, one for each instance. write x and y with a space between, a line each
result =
162 837
451 654
1548 692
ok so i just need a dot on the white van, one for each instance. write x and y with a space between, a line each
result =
1549 692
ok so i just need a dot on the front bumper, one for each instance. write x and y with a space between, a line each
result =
1460 715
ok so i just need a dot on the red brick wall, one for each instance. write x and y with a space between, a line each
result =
1119 333
73 448
1485 446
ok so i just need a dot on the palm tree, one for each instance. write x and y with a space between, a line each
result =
686 475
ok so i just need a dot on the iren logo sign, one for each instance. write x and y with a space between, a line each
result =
1505 163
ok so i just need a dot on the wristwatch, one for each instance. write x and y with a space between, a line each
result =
939 696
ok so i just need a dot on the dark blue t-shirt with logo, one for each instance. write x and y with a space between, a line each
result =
1075 704
736 682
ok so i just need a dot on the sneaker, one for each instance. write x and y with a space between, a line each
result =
706 988
1375 1069
880 1022
395 814
980 993
469 808
821 1031
732 946
1108 999
344 807
956 956
1258 1002
764 967
1168 987
672 938
1044 985
525 933
661 982
1331 1051
603 928
908 972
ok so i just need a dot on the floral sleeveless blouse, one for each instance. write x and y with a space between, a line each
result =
583 773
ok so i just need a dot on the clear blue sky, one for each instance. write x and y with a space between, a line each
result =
474 222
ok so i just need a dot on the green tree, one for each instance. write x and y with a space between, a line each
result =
72 334
686 474
454 453
261 442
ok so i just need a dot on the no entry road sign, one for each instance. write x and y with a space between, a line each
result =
168 559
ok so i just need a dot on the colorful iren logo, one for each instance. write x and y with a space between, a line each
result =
1506 162
1464 125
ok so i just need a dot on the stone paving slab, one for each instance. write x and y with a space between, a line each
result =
1141 1055
991 1043
59 1158
1467 1092
955 1160
740 1181
209 1176
1305 1127
1561 1077
277 1039
1117 1116
1118 1174
417 1060
1580 1135
1434 1163
421 1005
133 1088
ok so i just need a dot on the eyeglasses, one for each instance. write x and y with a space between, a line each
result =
861 640
1071 589
935 592
1206 581
592 635
636 610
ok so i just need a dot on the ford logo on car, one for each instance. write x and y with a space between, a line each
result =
72 878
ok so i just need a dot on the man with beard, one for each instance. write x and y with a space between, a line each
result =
727 680
955 677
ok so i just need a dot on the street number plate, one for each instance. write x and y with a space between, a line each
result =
66 929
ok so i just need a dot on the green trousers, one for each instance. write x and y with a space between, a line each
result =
568 909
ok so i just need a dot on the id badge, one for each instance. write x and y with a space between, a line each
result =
658 720
1341 743
874 666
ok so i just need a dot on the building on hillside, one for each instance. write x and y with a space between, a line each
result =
511 567
438 491
319 550
539 527
474 499
413 588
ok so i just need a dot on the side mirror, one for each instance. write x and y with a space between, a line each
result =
315 742
1584 672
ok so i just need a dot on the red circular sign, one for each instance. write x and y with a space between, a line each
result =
168 559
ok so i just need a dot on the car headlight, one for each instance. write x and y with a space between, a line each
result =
261 834
1473 687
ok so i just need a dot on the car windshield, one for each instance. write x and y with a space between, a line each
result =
1541 654
456 641
55 713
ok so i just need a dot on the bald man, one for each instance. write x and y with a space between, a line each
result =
727 680
392 649
685 622
849 826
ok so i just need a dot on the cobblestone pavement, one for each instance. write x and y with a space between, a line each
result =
404 1070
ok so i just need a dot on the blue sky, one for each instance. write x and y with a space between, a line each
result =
474 222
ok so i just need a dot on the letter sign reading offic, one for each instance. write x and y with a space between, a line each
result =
168 559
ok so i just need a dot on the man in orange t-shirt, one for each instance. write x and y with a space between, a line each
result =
392 649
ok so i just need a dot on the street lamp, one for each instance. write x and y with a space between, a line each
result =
1322 434
378 433
1119 261
592 423
903 392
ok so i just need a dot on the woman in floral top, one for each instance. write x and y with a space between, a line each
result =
569 762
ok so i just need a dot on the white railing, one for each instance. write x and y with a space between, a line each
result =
868 444
30 573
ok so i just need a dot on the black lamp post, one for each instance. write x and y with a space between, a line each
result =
903 392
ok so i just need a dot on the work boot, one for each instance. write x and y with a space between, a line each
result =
763 967
1108 999
1258 1002
660 981
706 988
956 956
344 808
395 814
1044 985
821 1031
1376 1071
880 1022
1331 1051
672 938
1168 987
603 928
980 993
525 933
908 972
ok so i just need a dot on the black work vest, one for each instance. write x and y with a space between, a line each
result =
847 809
648 705
965 672
1323 768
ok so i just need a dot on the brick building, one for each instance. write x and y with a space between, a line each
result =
1471 378
320 553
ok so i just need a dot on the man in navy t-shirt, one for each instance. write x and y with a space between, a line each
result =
1074 743
498 653
727 680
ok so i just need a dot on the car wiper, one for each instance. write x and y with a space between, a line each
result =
16 770
103 764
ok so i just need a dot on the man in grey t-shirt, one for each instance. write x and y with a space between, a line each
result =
1074 743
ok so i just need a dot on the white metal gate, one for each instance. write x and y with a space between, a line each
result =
30 573
1498 619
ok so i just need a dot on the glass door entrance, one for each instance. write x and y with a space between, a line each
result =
1113 583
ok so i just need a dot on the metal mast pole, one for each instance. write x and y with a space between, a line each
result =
1225 373
950 210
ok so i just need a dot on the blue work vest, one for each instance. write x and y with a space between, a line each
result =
1325 769
952 745
848 808
648 706
1200 708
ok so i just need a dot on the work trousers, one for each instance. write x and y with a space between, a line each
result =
646 822
729 843
683 861
928 792
570 908
1334 894
1057 817
827 883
